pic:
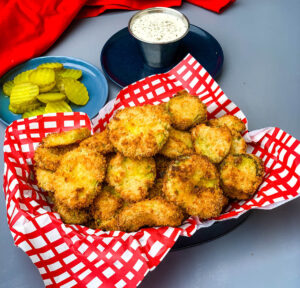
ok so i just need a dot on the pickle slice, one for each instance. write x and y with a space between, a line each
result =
51 97
53 65
69 73
42 77
24 108
23 94
23 77
59 106
7 87
75 91
35 112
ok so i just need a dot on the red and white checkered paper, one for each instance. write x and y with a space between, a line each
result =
76 256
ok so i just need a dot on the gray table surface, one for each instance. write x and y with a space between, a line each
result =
261 75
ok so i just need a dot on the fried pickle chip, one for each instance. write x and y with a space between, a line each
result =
38 111
23 94
178 144
7 87
66 138
49 158
99 142
241 175
212 142
71 216
42 77
192 182
149 213
238 145
52 65
45 179
51 97
69 73
23 108
23 77
78 178
131 177
58 106
232 122
105 207
186 110
139 131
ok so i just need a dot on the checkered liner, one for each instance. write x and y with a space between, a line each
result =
76 256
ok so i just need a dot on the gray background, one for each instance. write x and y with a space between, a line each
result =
261 42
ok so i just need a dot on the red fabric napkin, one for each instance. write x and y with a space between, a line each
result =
29 27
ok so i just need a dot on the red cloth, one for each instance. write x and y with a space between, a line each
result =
29 27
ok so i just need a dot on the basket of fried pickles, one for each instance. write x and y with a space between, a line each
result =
154 165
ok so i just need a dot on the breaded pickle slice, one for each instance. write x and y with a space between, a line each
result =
232 122
23 77
42 77
192 182
238 145
52 65
78 178
139 131
23 94
178 144
149 213
105 207
131 177
212 142
51 97
66 138
49 158
45 179
99 142
58 106
23 108
7 87
71 216
186 111
241 175
69 73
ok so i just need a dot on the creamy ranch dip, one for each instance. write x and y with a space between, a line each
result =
158 27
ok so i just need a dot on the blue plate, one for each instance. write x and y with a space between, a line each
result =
122 62
92 78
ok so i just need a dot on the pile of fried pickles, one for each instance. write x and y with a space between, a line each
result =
151 166
46 89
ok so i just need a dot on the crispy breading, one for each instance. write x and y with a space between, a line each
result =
192 182
99 141
139 131
49 158
66 138
131 177
186 111
45 179
238 145
241 175
213 142
71 216
105 207
178 144
230 121
79 177
149 213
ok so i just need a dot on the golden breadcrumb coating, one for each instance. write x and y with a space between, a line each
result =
192 182
238 145
186 111
66 138
139 131
149 213
131 177
241 175
178 144
45 179
212 142
230 121
99 142
79 177
71 216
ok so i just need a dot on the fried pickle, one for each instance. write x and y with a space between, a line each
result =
192 182
105 207
45 179
131 177
178 144
66 138
99 142
49 158
139 131
232 122
186 110
79 176
212 142
241 175
238 145
149 213
71 216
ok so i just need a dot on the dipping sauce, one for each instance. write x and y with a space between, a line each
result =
158 27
